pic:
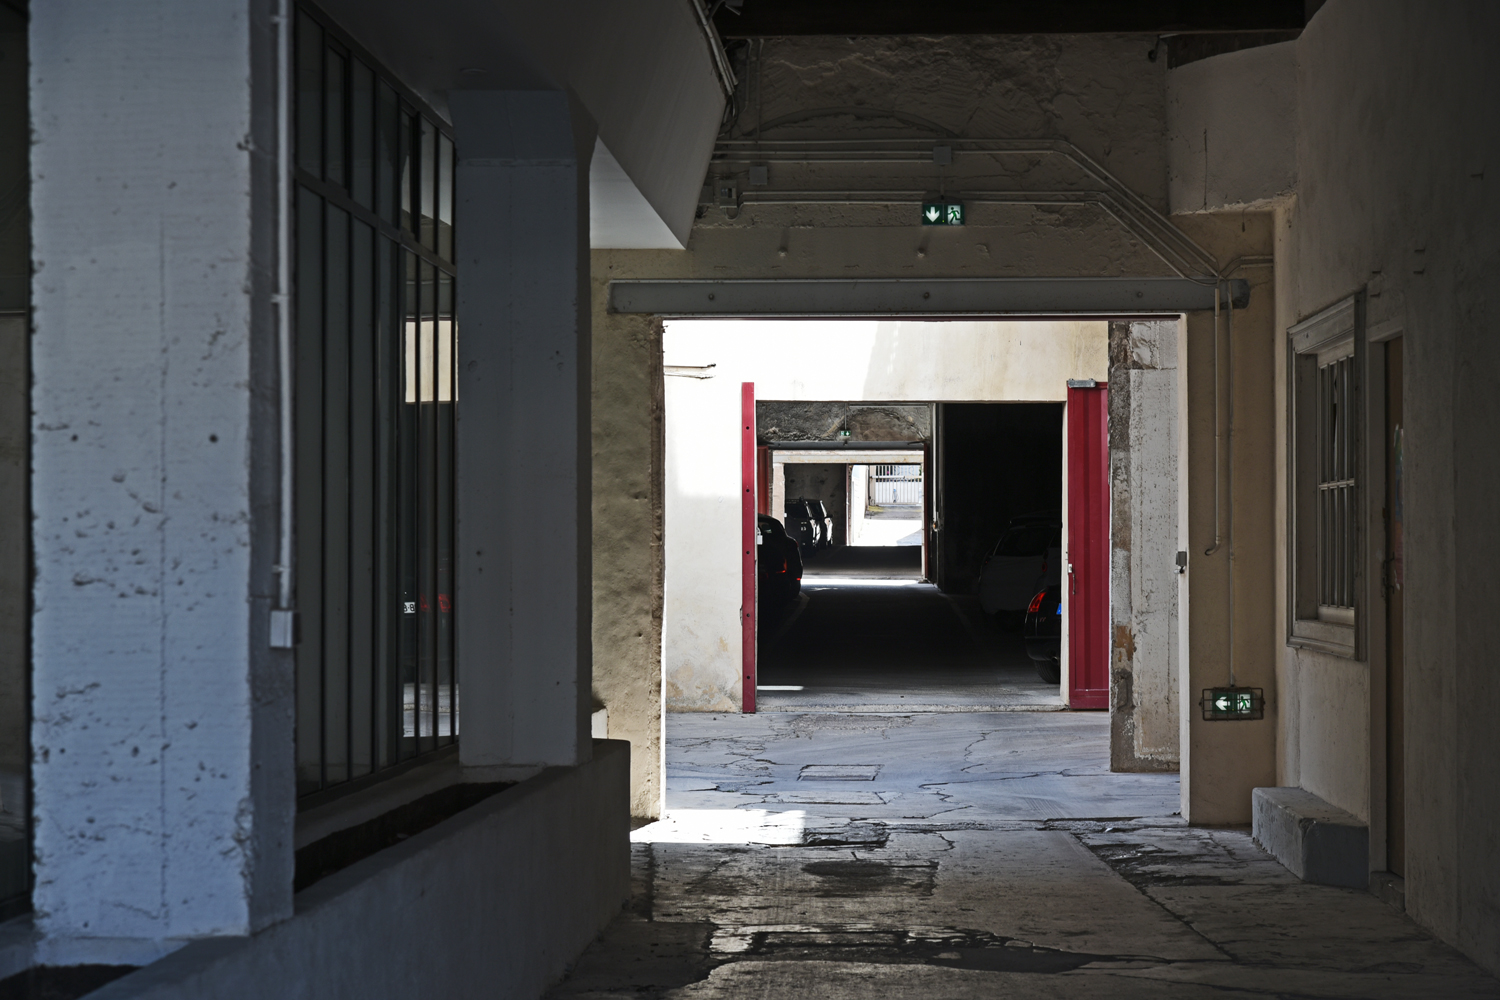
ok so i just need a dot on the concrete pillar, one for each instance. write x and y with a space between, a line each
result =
162 722
524 562
1221 762
1143 377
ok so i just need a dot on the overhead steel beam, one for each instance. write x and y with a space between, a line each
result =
933 297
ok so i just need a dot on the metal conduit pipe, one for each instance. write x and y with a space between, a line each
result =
282 631
1229 472
1218 540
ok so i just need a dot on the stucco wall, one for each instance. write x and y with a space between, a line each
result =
1143 462
1232 129
1221 762
1398 194
628 557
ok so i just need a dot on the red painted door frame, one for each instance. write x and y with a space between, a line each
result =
748 498
763 479
929 568
1088 547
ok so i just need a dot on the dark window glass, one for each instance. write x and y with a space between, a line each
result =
15 431
445 198
377 677
407 168
428 207
443 481
361 134
336 428
388 159
364 420
309 479
309 95
334 68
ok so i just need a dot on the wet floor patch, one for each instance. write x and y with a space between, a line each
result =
852 878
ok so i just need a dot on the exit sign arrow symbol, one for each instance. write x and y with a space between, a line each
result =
932 213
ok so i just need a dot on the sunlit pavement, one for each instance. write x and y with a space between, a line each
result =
971 855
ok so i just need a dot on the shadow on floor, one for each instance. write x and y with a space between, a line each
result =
867 644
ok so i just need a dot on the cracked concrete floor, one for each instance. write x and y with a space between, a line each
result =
953 856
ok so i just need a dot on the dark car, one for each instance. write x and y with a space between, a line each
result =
1027 558
804 526
821 511
778 563
1043 632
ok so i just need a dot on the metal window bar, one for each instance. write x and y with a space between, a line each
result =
896 485
376 367
1336 479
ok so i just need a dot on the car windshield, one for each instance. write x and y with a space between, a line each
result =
818 508
1029 540
798 508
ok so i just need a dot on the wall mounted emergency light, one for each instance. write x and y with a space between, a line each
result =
1233 704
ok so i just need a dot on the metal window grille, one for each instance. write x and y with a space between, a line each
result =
375 365
896 485
1336 501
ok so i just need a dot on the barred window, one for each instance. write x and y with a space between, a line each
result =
1335 527
377 679
1324 480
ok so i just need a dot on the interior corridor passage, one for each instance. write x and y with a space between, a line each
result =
971 855
867 635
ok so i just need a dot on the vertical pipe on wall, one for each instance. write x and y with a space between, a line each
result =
1229 472
281 625
747 545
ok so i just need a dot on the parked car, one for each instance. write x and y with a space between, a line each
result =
1027 558
778 563
821 510
804 526
1043 632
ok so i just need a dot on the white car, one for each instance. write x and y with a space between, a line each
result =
1026 559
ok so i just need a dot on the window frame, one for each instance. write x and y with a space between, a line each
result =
401 253
1335 331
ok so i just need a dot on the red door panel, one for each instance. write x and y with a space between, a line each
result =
748 499
1088 547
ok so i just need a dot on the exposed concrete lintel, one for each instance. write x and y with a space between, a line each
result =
932 297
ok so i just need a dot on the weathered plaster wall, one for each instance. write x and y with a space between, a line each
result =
1232 129
1398 194
1143 460
628 558
823 421
1221 762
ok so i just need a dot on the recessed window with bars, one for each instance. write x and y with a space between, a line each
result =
1325 503
376 349
1335 529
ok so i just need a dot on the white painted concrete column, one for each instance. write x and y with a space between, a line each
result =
162 722
524 573
1143 401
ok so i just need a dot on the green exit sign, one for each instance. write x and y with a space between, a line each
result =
1233 704
942 213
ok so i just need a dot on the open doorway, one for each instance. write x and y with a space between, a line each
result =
889 461
874 628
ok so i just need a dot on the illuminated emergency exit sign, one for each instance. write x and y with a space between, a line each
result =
942 213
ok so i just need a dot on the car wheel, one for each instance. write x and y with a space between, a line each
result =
1049 670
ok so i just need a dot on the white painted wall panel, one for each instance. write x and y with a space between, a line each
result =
142 202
